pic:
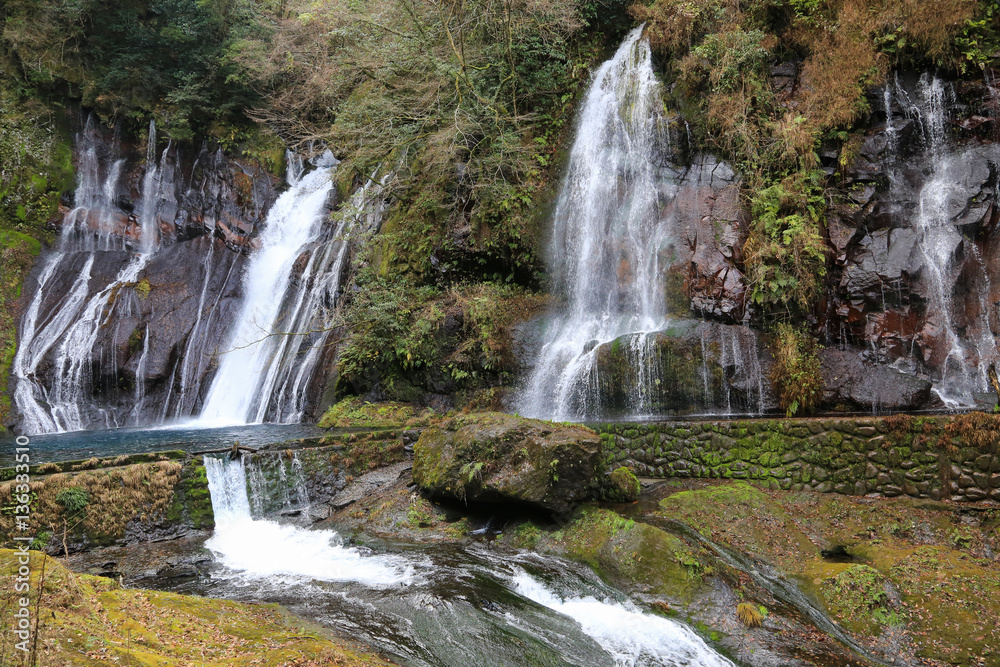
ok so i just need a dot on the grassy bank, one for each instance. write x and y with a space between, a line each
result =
86 620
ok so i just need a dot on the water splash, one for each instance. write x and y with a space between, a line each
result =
632 637
266 549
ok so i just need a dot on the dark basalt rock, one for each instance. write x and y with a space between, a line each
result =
501 459
848 380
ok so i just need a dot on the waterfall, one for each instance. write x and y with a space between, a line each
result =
95 230
261 548
967 352
149 229
608 243
237 394
85 317
282 330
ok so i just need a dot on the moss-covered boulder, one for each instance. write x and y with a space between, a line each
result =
621 486
494 458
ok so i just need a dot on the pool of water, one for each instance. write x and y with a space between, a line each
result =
112 442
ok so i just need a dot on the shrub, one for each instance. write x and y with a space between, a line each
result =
795 375
73 499
785 253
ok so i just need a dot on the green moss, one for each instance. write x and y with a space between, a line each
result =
859 595
355 413
92 621
621 486
625 552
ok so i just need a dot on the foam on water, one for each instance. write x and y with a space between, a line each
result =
633 638
267 549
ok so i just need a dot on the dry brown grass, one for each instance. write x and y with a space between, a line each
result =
118 496
749 615
975 429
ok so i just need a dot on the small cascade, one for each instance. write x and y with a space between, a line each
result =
140 372
227 483
961 353
149 231
282 331
277 484
157 191
631 636
194 360
747 388
609 246
261 548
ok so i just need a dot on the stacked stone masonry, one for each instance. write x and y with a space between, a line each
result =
919 458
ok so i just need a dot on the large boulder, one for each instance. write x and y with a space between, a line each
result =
500 459
849 381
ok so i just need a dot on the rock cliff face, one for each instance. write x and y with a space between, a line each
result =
110 337
909 307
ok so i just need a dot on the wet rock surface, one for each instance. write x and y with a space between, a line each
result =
692 366
851 382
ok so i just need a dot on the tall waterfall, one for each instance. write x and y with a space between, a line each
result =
963 353
609 245
281 333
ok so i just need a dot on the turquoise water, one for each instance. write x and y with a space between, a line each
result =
112 442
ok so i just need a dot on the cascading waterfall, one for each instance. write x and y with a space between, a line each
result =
939 238
71 328
237 394
609 244
283 328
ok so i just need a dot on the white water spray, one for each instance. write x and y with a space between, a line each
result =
632 637
263 549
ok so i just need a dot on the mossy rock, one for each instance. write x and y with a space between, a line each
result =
628 553
494 458
621 486
356 413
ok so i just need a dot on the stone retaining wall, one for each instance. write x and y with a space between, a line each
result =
919 457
